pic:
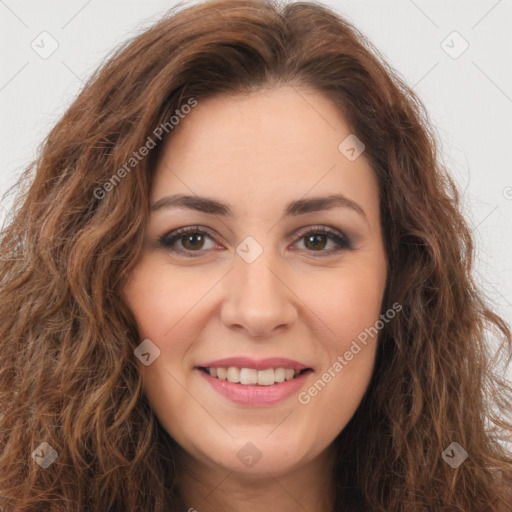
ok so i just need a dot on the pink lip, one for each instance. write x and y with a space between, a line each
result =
257 364
255 395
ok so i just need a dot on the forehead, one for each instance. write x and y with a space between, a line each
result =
275 123
274 145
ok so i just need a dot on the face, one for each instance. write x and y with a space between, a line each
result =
266 285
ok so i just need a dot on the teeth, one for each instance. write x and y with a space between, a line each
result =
233 374
250 376
266 377
279 374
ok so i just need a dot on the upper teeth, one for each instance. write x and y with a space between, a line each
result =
250 376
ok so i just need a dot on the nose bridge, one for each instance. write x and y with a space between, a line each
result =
259 276
257 297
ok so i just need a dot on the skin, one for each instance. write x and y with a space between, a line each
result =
256 153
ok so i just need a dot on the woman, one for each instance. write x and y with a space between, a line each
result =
239 279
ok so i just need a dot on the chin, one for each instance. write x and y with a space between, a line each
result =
260 455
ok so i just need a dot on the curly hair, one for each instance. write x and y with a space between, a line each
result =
68 375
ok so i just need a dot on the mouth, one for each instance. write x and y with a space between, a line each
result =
253 382
253 377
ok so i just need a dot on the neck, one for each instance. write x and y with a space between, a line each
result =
206 488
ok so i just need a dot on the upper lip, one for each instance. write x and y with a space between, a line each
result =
257 364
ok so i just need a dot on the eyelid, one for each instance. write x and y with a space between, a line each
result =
338 237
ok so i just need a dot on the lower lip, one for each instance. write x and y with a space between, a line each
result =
256 395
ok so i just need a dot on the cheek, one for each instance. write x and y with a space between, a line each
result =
333 397
166 306
347 301
347 353
162 299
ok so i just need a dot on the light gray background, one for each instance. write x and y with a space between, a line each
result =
469 98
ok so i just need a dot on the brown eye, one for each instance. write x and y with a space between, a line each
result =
317 239
193 241
315 242
185 240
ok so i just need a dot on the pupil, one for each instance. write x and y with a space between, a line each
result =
191 237
315 237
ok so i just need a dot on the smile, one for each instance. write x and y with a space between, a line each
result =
252 376
252 382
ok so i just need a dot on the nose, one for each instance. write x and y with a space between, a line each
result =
258 299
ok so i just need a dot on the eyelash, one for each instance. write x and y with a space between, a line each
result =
168 240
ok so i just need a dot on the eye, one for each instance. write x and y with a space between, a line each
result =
192 240
319 236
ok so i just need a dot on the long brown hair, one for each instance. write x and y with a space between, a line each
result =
68 375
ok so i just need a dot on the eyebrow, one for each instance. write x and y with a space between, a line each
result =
294 208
